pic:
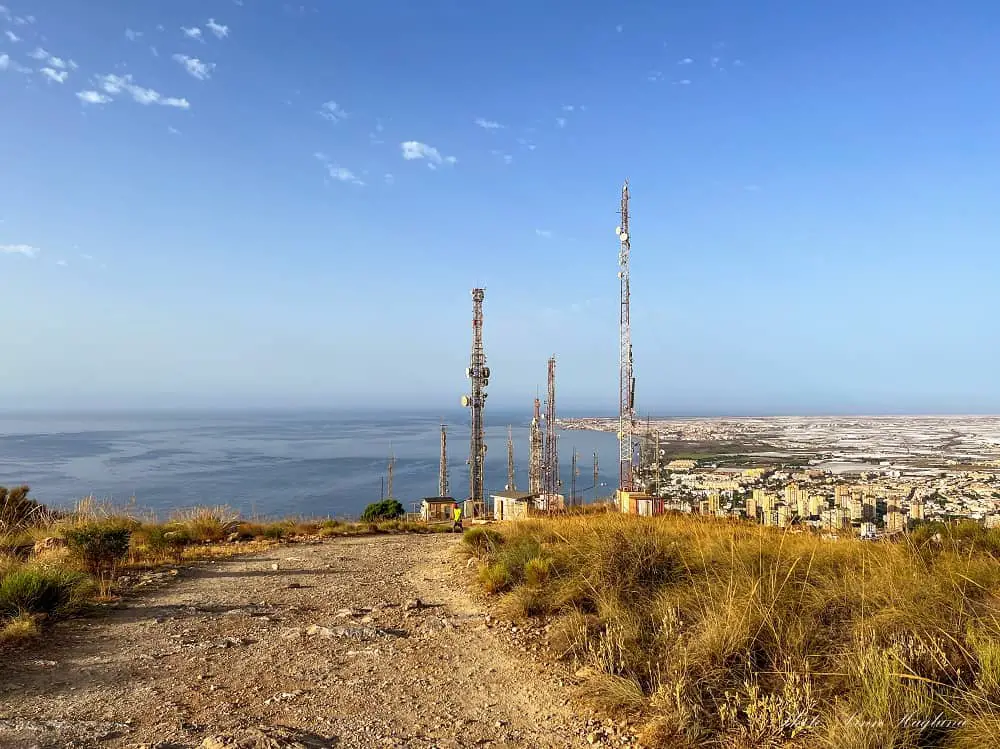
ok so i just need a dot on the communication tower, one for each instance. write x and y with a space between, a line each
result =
392 466
535 451
574 472
551 461
479 377
626 379
443 471
596 476
510 460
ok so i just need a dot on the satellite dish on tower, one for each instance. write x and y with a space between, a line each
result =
624 236
465 401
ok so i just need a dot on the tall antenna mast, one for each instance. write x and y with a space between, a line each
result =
626 379
443 472
551 447
656 457
479 375
574 472
596 476
510 459
392 465
535 451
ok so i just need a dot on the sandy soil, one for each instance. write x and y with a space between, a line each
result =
306 645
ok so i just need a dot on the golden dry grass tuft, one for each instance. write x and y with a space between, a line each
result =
730 634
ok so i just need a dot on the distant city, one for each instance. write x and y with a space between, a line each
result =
867 476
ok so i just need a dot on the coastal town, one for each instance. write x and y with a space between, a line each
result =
865 476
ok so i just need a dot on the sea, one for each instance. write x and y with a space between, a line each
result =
271 463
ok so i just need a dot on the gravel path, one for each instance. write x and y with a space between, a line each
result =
307 645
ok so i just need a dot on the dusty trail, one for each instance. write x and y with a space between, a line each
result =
227 648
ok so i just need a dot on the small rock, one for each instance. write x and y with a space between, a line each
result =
232 537
274 566
413 604
591 738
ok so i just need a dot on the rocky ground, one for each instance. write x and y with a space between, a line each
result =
351 642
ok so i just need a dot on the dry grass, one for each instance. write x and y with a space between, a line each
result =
728 634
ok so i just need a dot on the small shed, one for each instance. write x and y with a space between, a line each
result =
436 509
512 505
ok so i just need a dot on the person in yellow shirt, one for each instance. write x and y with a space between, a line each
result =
457 510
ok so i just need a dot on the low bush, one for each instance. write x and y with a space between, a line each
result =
482 540
39 590
207 524
387 509
102 548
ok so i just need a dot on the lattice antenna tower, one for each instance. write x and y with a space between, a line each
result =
479 377
443 470
535 451
626 379
551 461
510 459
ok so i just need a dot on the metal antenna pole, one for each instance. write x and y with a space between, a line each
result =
535 451
510 459
392 465
479 376
551 448
574 472
626 379
443 472
596 476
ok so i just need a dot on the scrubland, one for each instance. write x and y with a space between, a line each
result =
716 633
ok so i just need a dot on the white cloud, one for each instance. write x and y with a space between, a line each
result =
92 97
450 160
655 76
507 158
22 21
488 124
155 51
568 107
331 111
118 84
544 233
413 150
85 256
194 66
173 130
527 144
685 82
12 36
19 249
39 54
59 76
132 35
389 179
193 33
715 61
685 61
7 64
339 173
217 28
4 11
561 121
738 63
61 263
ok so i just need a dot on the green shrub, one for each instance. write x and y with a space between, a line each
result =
494 578
276 531
207 524
482 540
101 547
387 509
40 590
17 511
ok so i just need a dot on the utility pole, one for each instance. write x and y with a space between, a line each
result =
479 375
443 471
626 378
510 459
392 465
656 457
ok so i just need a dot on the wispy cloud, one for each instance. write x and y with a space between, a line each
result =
685 61
192 33
123 84
526 143
56 76
194 66
568 107
414 150
4 11
7 64
173 130
23 20
655 76
389 179
217 28
92 97
39 54
505 157
544 233
488 124
332 112
561 121
339 173
12 36
19 249
55 62
132 35
61 263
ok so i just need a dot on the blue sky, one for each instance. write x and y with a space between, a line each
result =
209 202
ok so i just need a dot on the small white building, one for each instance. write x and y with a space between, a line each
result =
512 505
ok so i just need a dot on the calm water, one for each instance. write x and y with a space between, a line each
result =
266 462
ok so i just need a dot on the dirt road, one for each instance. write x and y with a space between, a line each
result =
311 645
